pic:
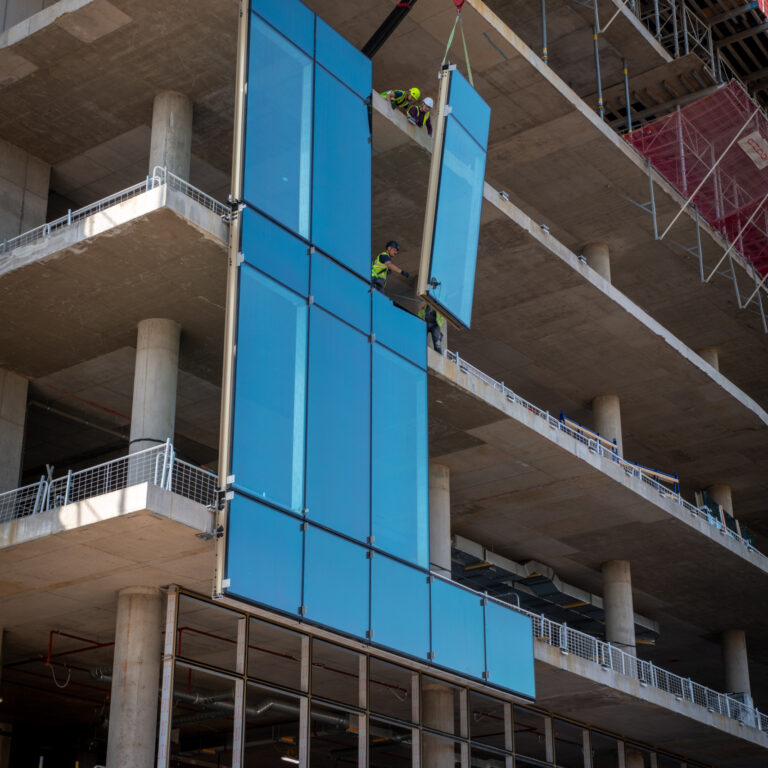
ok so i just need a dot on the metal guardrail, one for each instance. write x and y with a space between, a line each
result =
596 447
160 176
158 465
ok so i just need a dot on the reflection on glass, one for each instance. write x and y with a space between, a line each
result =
457 222
390 690
469 108
487 720
400 460
605 750
530 738
665 761
277 161
207 633
336 673
482 758
270 384
441 707
202 719
343 59
341 292
636 756
569 745
274 654
439 751
333 738
389 746
271 728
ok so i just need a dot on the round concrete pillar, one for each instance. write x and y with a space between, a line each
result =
440 518
617 603
437 712
711 355
171 142
721 494
135 678
607 410
153 413
734 646
633 759
599 258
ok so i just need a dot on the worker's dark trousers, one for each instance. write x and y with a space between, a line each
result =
437 337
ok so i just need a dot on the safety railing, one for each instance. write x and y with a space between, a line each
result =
595 445
158 465
160 176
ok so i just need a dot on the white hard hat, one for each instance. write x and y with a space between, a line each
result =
428 102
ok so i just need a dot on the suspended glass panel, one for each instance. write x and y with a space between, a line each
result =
336 582
341 201
338 426
341 292
469 109
264 552
270 390
400 460
278 128
343 60
292 18
509 646
399 330
399 606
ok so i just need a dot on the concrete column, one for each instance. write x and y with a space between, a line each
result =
24 185
711 355
13 412
135 678
440 518
171 144
617 602
734 646
633 759
607 410
599 258
722 495
154 384
437 708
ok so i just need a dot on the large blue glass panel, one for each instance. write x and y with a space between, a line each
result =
270 386
399 606
400 460
509 649
457 222
264 554
341 292
338 426
278 128
399 330
292 18
336 579
469 109
457 629
343 60
341 202
275 251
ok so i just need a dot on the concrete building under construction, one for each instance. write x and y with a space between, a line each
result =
249 516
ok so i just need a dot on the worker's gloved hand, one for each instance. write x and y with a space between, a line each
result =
392 104
405 274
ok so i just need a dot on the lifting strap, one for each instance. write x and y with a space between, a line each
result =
459 4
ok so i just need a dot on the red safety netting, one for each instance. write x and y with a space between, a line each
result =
685 145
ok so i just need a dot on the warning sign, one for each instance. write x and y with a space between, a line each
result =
756 148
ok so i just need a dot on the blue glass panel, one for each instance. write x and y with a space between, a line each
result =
336 579
341 203
400 460
469 109
339 291
399 330
270 384
343 60
509 648
292 18
264 554
457 223
457 629
275 251
338 426
278 128
399 606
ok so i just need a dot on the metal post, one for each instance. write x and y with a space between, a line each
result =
544 55
656 19
69 217
653 201
681 150
69 484
673 4
600 107
40 495
685 28
626 96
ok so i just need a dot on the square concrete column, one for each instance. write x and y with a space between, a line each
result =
135 678
13 413
24 185
618 605
607 411
153 412
599 258
171 143
440 518
736 661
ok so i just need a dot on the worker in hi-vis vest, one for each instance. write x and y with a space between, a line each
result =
383 263
402 99
435 321
419 114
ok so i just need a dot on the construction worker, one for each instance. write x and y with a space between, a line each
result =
435 321
419 114
402 99
383 263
